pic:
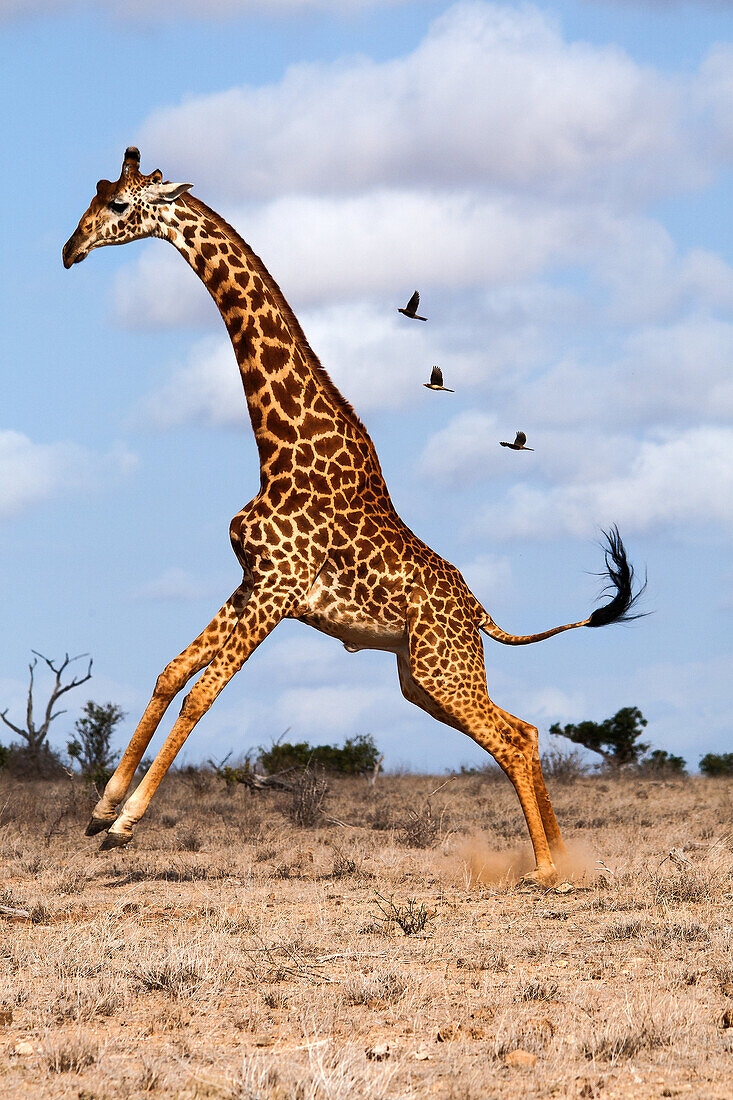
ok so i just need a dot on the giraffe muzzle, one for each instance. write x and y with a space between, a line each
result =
74 250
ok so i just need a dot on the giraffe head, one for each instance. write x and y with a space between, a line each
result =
135 206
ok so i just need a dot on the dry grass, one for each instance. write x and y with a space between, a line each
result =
233 953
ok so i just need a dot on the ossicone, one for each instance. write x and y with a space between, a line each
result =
131 161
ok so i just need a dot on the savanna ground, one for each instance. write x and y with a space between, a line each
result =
232 953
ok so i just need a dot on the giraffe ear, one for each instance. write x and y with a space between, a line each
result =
166 192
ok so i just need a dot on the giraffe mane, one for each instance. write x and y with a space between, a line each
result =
319 371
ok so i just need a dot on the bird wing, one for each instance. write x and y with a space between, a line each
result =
436 377
521 439
413 303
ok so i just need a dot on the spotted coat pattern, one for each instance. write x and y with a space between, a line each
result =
321 541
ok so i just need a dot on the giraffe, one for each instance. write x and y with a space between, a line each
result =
321 541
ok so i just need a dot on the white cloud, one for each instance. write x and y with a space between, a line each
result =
159 290
376 357
207 390
673 479
376 244
31 472
466 447
492 95
676 373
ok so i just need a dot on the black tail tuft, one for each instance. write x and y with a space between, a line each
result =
621 579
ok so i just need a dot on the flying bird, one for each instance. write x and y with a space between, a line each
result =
518 444
436 381
409 310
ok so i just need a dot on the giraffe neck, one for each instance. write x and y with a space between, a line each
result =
296 411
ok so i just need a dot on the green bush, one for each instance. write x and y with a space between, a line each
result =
91 749
616 739
717 763
665 762
358 755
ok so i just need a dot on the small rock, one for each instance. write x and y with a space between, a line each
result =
24 1047
523 1059
564 888
422 1054
378 1053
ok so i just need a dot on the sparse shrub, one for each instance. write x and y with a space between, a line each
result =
412 917
538 991
689 931
563 765
174 976
420 829
197 779
189 839
375 989
307 798
627 930
490 959
717 763
357 756
380 818
40 763
343 865
70 1054
86 1003
695 883
614 1041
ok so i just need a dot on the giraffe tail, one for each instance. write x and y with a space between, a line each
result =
620 573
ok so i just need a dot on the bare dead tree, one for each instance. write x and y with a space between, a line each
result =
34 735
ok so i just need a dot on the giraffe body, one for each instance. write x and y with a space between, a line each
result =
321 542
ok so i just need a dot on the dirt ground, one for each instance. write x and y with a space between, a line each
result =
382 952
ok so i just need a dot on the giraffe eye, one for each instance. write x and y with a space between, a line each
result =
119 207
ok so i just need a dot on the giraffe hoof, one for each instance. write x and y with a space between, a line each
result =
114 840
539 880
98 825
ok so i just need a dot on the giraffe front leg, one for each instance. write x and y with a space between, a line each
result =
253 627
176 674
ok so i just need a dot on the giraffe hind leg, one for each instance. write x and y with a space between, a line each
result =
549 821
176 674
444 674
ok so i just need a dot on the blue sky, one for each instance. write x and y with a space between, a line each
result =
554 177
